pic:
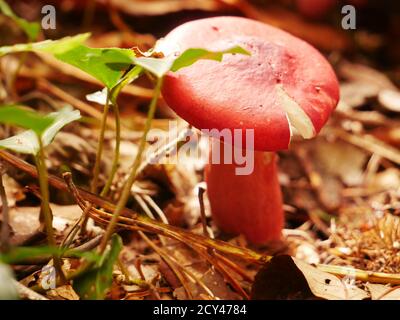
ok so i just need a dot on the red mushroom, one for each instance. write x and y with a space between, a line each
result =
285 87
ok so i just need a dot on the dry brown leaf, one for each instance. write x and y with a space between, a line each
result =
354 94
149 271
285 277
388 179
364 74
215 282
392 294
383 292
202 270
25 220
376 290
340 159
307 252
65 292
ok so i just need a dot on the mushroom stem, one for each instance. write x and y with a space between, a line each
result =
246 204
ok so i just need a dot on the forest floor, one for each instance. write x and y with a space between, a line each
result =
341 190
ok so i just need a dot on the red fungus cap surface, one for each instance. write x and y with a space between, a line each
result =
284 85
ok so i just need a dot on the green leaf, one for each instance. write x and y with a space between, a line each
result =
24 117
27 141
159 67
60 119
99 97
190 56
51 46
105 64
93 285
25 254
31 29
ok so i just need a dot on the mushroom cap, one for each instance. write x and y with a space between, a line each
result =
286 85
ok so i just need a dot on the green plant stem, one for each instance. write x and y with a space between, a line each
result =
114 167
5 228
48 217
130 76
126 191
100 146
128 278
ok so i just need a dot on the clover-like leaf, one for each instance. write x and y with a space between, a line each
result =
160 66
105 64
157 66
24 117
99 97
61 119
190 56
27 141
51 46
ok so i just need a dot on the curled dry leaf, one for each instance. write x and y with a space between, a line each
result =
25 220
365 83
285 277
341 160
354 94
364 74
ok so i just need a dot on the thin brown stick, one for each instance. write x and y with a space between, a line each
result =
140 221
5 227
170 263
200 194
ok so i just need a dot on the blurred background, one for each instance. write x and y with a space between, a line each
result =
316 21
